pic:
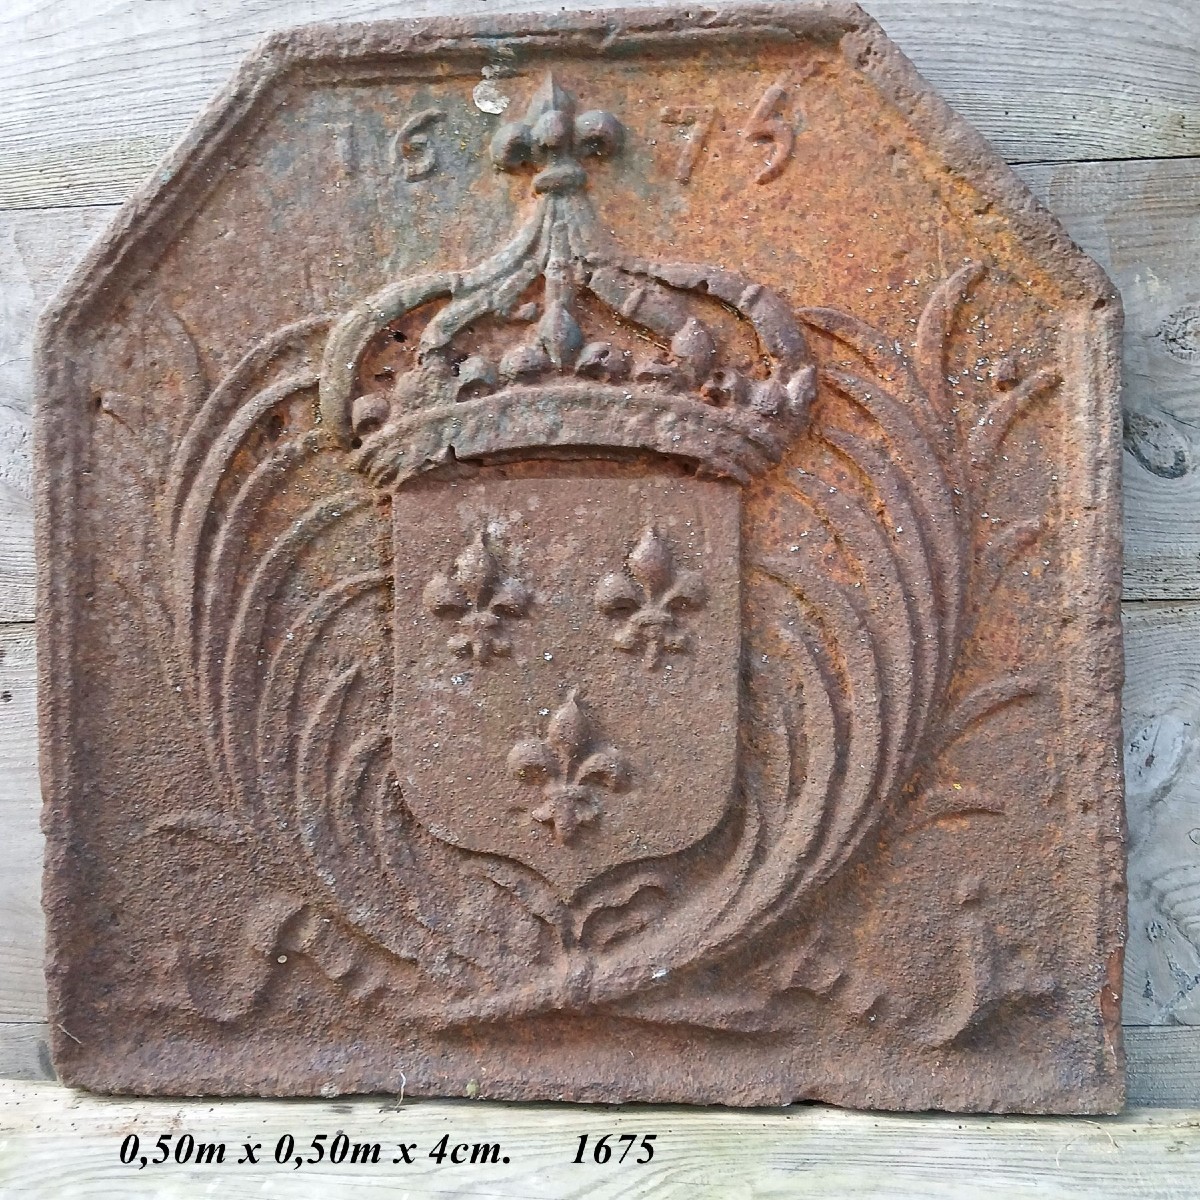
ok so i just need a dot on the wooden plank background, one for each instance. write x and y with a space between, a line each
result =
1096 103
814 1152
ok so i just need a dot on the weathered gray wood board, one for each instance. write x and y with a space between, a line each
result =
95 92
25 1051
817 1152
1163 1065
22 994
37 249
1141 220
1162 717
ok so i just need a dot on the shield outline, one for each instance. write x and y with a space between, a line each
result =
451 770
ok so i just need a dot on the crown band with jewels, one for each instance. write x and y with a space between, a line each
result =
553 387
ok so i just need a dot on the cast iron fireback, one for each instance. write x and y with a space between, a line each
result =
580 560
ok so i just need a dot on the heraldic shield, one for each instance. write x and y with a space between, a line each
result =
563 463
567 663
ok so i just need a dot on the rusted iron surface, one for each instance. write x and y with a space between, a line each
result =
580 560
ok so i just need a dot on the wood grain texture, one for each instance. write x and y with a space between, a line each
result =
1141 222
1163 1065
1162 734
58 1144
22 991
97 90
25 1051
37 249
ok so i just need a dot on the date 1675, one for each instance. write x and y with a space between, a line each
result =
611 1148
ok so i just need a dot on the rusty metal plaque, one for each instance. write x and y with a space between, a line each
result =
580 560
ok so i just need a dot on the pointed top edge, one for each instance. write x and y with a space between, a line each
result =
549 96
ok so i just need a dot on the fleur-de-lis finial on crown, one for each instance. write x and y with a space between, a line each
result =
553 139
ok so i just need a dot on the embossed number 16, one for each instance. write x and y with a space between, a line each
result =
602 1151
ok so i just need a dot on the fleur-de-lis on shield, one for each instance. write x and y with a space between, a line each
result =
572 767
477 595
649 598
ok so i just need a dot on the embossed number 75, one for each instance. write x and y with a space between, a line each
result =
767 124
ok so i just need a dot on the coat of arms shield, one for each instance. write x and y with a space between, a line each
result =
567 662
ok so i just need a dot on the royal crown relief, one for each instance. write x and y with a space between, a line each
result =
572 725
